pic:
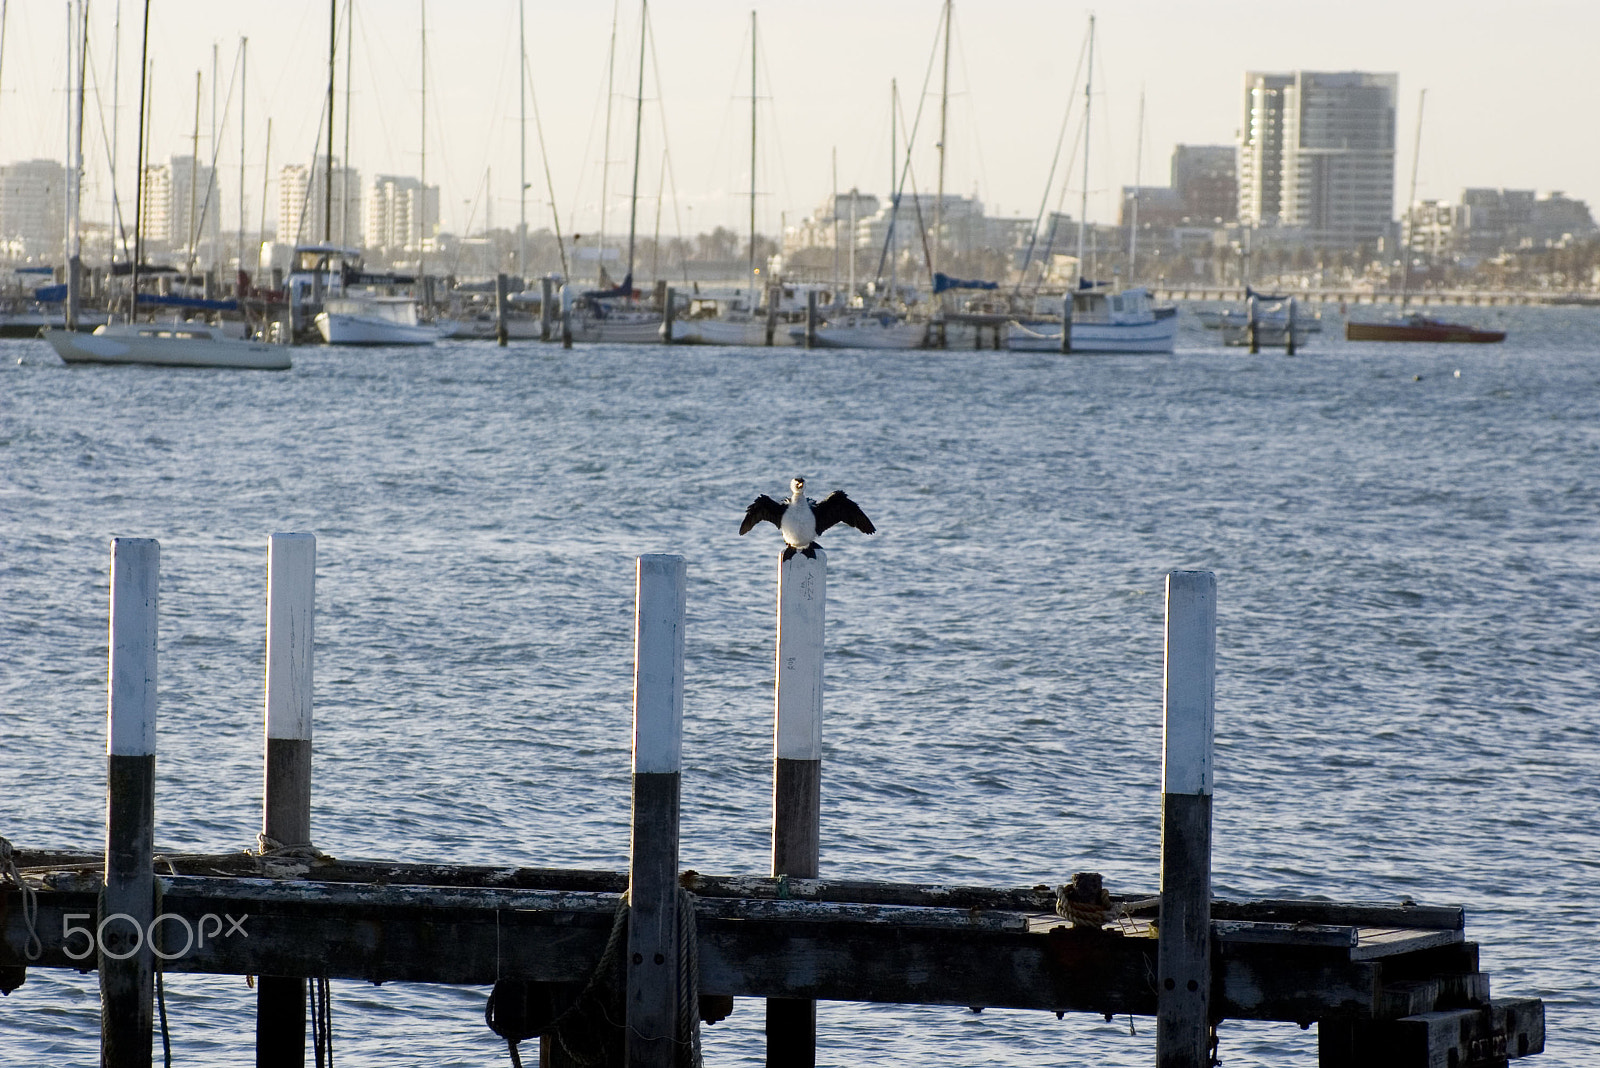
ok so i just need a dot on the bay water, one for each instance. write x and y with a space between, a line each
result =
1404 538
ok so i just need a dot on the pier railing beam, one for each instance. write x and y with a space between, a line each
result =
123 930
797 773
286 806
1183 965
652 962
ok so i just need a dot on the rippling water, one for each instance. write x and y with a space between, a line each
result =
1407 635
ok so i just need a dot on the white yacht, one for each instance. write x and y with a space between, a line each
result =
170 344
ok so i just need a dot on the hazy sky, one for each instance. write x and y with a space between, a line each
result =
1512 95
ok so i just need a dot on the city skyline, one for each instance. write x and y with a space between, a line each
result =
825 85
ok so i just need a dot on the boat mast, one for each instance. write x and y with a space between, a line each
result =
1083 208
1411 200
944 110
344 183
835 213
638 130
894 193
753 276
327 171
75 161
138 195
194 179
244 73
422 180
605 150
522 143
1138 172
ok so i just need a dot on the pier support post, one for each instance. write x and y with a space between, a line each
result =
566 316
811 318
668 314
286 807
1183 966
500 286
774 294
123 930
797 774
1066 323
547 290
1252 326
1288 331
652 985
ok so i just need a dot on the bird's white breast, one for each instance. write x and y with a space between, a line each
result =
799 525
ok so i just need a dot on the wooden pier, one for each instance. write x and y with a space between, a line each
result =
1386 984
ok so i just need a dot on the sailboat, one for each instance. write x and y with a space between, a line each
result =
1416 326
1098 317
614 314
170 344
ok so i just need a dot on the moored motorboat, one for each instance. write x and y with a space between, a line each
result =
1103 320
373 320
1417 327
172 344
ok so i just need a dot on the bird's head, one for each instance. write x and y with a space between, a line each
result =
797 488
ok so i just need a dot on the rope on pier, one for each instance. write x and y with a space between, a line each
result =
30 900
688 983
1086 902
278 861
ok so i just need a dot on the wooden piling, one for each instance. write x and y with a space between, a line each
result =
1066 323
811 319
774 293
286 806
122 932
566 316
652 968
1288 331
1183 966
797 773
1253 326
669 314
547 290
500 286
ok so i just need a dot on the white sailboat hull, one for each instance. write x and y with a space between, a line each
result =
166 345
865 333
747 332
518 328
618 330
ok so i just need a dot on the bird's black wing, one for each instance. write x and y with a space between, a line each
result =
762 510
837 508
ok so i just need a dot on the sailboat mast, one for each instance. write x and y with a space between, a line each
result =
327 172
835 214
422 180
522 142
138 195
1411 200
605 149
344 181
194 180
753 276
944 111
244 72
638 131
894 192
1083 208
75 165
1138 177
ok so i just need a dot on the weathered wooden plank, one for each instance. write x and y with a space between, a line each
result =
1457 1038
1377 943
1288 934
1351 914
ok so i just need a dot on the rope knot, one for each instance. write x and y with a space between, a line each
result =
1085 900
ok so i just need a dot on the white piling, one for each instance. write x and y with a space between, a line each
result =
126 960
797 773
286 805
1183 953
653 967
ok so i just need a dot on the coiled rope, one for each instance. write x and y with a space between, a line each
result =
34 948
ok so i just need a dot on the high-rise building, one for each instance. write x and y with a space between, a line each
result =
1316 152
304 204
1205 179
392 207
156 203
194 210
33 207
